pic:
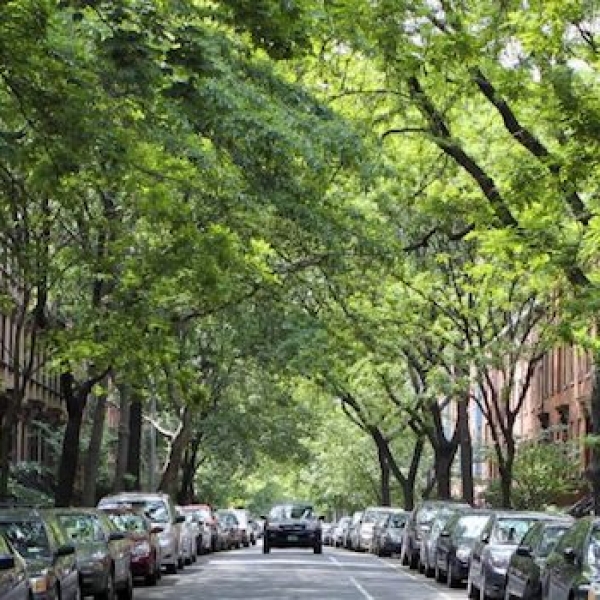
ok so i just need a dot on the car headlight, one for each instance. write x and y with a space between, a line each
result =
40 584
463 553
141 549
499 561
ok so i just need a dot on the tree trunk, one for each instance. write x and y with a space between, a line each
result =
122 440
444 457
169 480
187 492
92 462
69 459
384 469
6 441
466 452
134 449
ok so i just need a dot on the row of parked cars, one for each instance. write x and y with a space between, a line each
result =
69 553
498 554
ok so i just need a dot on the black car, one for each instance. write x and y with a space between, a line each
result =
292 525
48 553
103 553
455 544
574 564
523 578
420 520
14 580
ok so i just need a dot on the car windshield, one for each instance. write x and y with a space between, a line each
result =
374 516
81 528
28 537
397 521
469 527
129 522
426 515
510 531
593 550
155 510
291 511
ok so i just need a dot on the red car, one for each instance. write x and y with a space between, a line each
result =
145 549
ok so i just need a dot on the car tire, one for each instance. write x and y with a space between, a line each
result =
246 544
266 549
439 576
172 569
127 592
180 563
451 581
151 579
109 592
318 549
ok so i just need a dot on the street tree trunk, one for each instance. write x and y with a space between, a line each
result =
122 439
170 476
134 449
443 458
594 466
384 469
92 462
466 452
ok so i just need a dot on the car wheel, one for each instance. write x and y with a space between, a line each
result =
127 592
439 576
77 595
109 592
172 568
180 563
318 549
266 549
414 561
450 579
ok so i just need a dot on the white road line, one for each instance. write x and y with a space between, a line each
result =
398 568
353 581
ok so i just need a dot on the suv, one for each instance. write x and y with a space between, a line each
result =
48 553
161 511
292 525
420 520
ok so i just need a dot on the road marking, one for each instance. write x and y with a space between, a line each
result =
429 586
352 580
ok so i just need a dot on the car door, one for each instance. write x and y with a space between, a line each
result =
522 562
13 576
120 550
478 548
65 561
564 564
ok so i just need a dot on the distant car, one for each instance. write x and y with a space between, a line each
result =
201 531
231 528
145 547
103 553
293 525
352 530
327 532
339 531
523 578
492 551
387 538
243 518
455 544
14 579
572 570
363 537
161 511
48 553
420 520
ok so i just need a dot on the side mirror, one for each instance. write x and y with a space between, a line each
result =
524 550
7 561
180 519
156 529
322 518
485 538
444 534
570 555
115 536
65 550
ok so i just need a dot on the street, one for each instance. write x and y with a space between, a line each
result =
294 575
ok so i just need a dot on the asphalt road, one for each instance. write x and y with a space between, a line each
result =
247 574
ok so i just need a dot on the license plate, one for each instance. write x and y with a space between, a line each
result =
292 538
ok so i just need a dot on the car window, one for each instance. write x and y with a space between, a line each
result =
129 522
469 527
550 537
28 537
571 536
4 549
510 530
426 515
81 528
397 520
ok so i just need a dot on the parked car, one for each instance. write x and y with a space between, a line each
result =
243 519
363 537
491 552
48 553
204 516
350 534
222 540
14 579
231 529
145 547
523 578
387 537
293 525
572 570
339 531
202 534
103 553
455 544
189 538
420 520
429 539
160 509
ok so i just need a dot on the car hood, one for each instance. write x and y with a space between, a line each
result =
87 551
